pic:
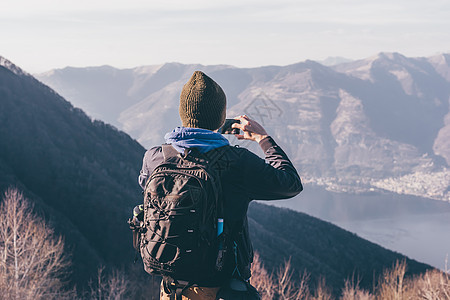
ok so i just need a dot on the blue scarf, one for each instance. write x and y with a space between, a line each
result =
202 139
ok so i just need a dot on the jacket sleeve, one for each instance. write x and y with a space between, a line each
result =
274 178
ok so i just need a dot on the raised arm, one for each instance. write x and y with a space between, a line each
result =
272 178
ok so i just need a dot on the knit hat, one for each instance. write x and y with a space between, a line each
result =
202 103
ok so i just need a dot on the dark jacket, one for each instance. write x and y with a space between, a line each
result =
245 177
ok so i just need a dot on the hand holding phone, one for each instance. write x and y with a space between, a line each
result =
252 130
227 129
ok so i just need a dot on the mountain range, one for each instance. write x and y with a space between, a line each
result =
372 125
81 175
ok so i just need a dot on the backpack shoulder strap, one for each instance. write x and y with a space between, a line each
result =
216 154
213 156
168 151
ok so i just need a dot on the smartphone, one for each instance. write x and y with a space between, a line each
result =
226 128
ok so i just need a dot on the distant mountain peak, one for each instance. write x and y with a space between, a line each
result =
441 63
334 60
12 67
443 58
388 55
383 56
148 69
388 61
308 65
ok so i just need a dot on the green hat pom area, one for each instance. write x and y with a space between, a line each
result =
202 103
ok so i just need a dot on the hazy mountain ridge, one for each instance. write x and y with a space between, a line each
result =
82 175
347 127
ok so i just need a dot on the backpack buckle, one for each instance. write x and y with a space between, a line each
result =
174 288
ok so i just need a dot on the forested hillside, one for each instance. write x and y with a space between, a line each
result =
82 172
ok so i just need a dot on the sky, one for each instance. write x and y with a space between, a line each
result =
39 35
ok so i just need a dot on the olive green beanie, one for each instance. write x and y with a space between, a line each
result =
202 103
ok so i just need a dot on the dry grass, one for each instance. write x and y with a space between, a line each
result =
392 285
352 291
433 285
282 285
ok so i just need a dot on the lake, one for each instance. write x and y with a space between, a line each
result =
416 227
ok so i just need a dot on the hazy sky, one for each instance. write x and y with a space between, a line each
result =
39 35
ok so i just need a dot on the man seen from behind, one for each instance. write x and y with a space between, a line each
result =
243 177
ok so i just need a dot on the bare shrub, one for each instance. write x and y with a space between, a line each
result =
392 282
434 285
352 291
142 286
393 285
32 259
261 279
322 291
281 285
112 286
288 288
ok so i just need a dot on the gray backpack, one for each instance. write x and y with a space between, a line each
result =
183 237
